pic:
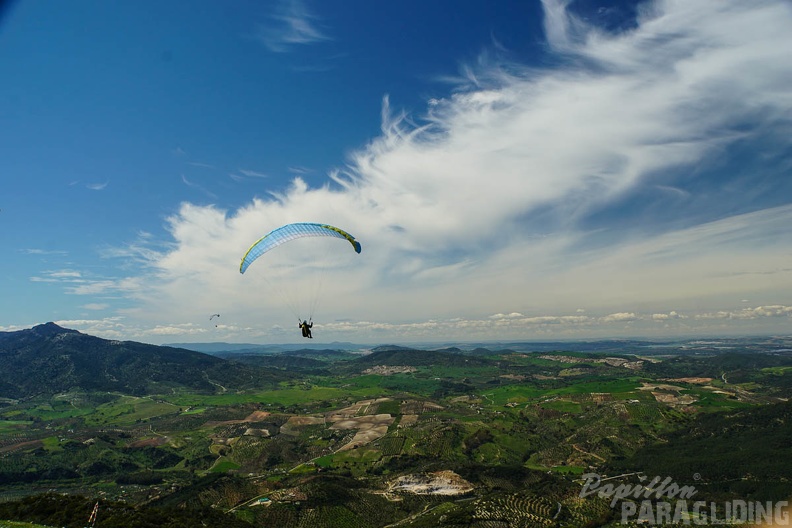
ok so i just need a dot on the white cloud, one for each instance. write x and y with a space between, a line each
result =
773 311
750 313
667 316
505 198
513 315
107 328
620 317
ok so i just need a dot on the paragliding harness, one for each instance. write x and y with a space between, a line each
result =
306 328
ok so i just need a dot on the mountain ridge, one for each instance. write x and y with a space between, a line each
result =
49 359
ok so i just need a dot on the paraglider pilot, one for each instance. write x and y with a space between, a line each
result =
306 329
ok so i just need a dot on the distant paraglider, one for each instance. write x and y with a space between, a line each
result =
213 316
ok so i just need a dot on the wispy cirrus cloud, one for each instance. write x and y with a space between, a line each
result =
78 283
94 186
40 251
127 286
292 24
300 171
141 252
198 187
65 275
243 175
201 165
97 186
252 173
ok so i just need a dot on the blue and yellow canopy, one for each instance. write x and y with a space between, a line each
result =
289 232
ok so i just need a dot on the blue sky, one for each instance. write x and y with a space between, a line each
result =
513 170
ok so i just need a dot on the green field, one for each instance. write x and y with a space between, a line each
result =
13 425
129 410
285 396
778 371
223 465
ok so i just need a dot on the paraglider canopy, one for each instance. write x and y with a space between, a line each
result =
289 232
